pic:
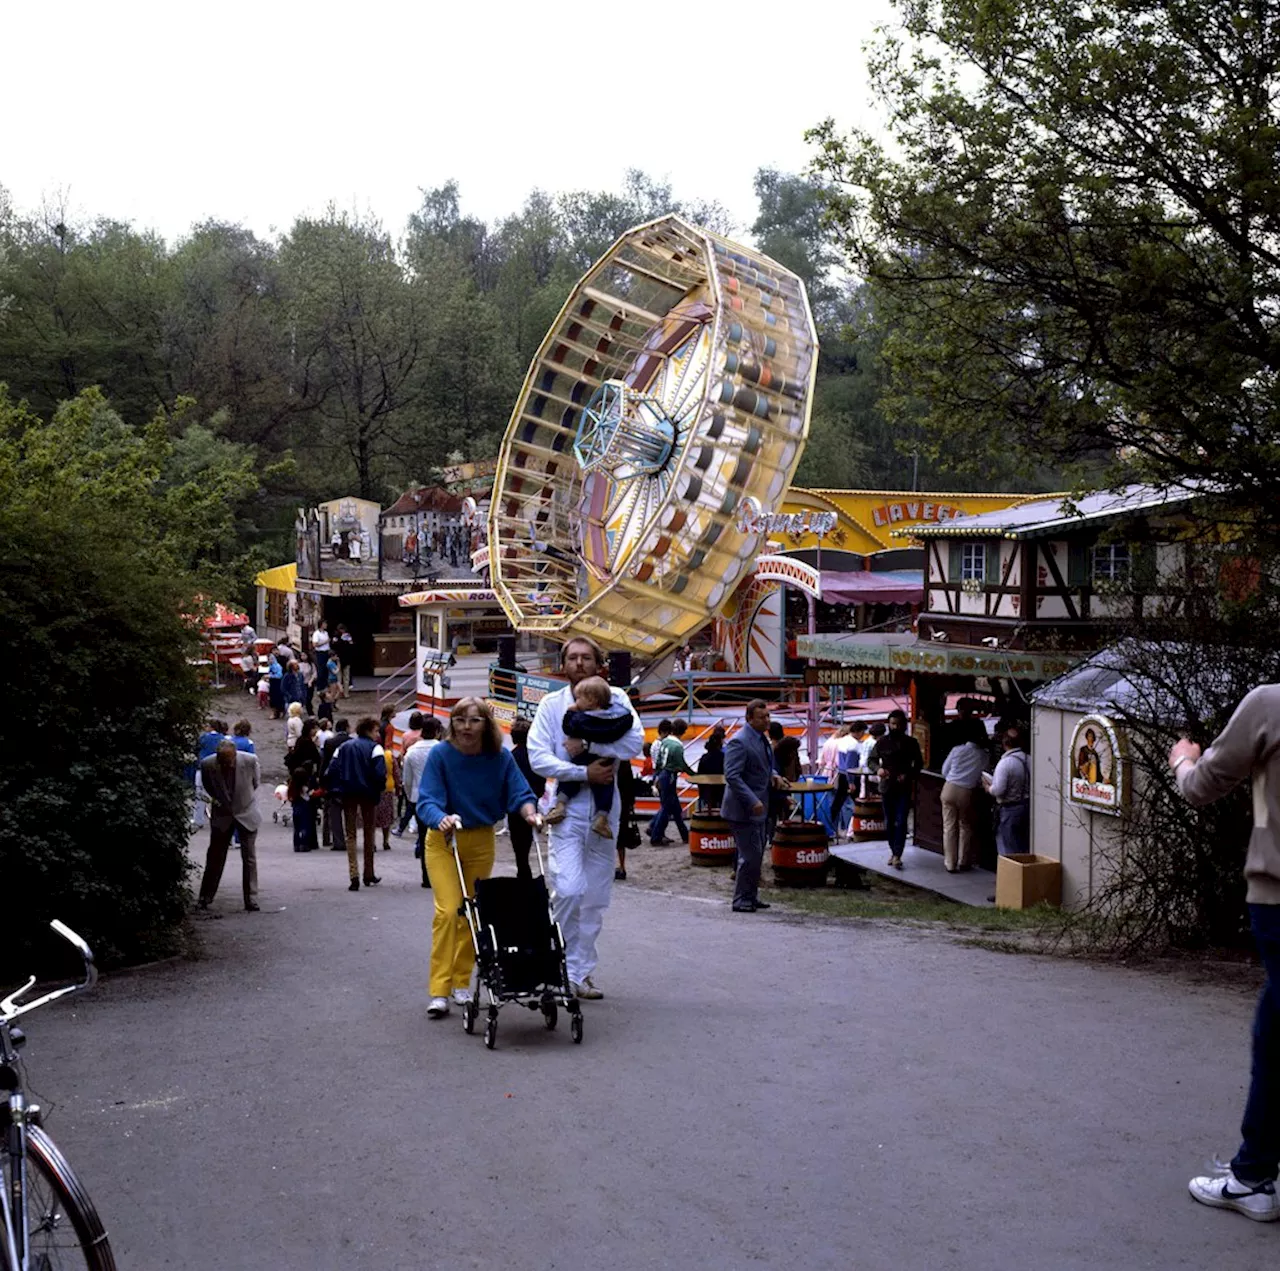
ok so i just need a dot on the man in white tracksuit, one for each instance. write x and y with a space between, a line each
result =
581 863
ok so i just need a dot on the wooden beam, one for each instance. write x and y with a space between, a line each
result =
624 307
695 277
946 582
1004 581
1056 573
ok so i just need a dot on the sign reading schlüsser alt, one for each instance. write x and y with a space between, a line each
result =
823 676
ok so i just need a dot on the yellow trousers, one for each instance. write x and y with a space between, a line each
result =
452 954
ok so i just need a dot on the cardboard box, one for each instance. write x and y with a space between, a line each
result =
1023 880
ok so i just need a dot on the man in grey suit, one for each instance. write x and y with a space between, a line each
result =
748 776
230 779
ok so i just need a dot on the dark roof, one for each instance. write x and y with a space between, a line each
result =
426 498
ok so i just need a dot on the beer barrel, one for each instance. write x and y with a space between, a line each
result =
800 854
868 820
711 840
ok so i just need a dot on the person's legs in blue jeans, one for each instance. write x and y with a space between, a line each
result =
668 808
896 807
1258 1160
671 797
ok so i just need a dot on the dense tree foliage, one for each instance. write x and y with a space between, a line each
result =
1071 233
109 535
342 357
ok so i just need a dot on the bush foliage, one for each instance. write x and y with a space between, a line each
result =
100 570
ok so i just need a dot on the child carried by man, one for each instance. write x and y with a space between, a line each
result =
592 719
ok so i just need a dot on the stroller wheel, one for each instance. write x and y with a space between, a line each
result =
469 1012
549 1014
575 1027
491 1030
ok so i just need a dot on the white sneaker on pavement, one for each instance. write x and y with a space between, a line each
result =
438 1008
1225 1191
461 996
587 991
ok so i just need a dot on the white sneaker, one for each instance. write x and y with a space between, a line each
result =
461 996
587 991
438 1008
1225 1191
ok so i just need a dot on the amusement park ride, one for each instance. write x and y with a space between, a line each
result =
637 493
665 410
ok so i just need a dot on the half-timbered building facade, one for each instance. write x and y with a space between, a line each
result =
1051 573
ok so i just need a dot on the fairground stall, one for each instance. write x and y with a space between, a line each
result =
1013 599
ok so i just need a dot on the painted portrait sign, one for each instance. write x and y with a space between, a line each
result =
1095 765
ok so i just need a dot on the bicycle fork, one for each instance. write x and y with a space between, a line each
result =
15 1205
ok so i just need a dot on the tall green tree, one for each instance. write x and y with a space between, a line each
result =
357 328
789 228
225 332
84 309
470 374
1071 230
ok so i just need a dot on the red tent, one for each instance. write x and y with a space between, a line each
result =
223 616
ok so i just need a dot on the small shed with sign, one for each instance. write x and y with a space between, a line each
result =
1081 772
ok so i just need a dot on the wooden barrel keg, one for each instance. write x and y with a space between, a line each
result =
868 820
800 854
711 840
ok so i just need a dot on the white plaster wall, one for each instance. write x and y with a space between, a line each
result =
1013 550
1110 606
1061 829
973 604
1050 607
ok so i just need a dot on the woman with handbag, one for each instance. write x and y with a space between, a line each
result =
470 782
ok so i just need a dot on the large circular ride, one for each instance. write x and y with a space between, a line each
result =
675 383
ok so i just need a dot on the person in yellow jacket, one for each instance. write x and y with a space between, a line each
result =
470 782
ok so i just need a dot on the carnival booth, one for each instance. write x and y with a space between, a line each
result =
1082 772
223 644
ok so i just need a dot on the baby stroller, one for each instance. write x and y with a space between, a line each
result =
520 955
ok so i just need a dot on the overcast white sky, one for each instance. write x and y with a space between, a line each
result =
165 114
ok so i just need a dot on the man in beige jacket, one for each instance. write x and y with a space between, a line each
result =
1249 749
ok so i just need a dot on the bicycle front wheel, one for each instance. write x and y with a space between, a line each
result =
65 1230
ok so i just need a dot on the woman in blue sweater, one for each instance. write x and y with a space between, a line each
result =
470 783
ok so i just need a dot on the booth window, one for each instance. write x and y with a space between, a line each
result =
1111 562
973 562
277 609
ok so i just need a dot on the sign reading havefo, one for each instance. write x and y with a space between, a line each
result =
913 510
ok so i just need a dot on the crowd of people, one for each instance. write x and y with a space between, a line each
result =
460 786
284 676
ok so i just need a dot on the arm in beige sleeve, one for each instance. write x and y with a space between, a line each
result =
1233 756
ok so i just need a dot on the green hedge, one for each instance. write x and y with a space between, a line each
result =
103 708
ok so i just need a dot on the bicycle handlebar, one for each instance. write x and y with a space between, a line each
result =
11 1008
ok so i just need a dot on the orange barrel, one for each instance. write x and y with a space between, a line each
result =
868 820
800 854
711 840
